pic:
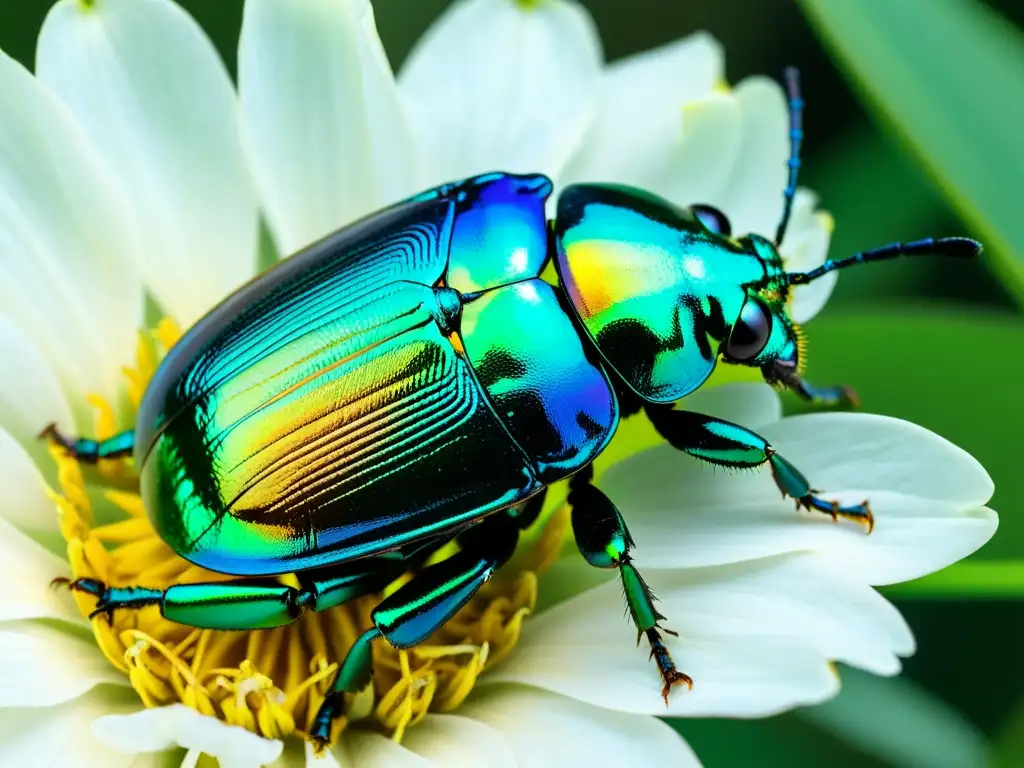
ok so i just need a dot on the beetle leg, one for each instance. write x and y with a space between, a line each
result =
604 541
730 445
246 604
826 396
90 451
418 609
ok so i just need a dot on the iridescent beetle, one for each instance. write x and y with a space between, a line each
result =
410 380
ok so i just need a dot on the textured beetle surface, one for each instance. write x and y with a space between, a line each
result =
354 399
411 380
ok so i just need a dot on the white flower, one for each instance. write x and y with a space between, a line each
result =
127 167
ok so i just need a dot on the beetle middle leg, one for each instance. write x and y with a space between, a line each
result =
727 444
604 541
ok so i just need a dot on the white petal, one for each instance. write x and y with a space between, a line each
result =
49 736
800 596
748 403
365 749
23 498
70 664
738 626
154 730
732 156
639 125
752 197
886 718
497 85
67 274
912 537
788 596
150 90
744 663
847 451
545 729
805 247
699 166
458 742
926 495
26 570
674 74
326 135
310 759
170 759
749 678
30 393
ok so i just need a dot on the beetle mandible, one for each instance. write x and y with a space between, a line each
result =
410 380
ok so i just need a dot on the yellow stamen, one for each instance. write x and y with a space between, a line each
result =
272 681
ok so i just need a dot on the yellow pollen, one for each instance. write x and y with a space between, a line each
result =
801 346
269 681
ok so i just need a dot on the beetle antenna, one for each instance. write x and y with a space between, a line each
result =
796 137
956 247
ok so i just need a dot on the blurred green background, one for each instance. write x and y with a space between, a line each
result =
915 127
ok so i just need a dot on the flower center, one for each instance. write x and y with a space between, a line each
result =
269 681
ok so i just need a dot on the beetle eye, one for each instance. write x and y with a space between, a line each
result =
712 219
750 332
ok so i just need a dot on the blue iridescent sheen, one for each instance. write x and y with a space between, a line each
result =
500 232
408 617
547 387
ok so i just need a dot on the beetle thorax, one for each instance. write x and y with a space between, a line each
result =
654 289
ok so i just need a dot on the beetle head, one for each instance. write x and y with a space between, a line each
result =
762 334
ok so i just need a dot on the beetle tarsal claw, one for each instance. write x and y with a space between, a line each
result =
670 676
51 434
851 396
320 745
858 513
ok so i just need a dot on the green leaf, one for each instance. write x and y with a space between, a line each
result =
1008 746
899 722
948 76
783 741
954 370
877 194
992 579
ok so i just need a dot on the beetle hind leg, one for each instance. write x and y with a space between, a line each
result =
109 599
604 542
90 451
244 604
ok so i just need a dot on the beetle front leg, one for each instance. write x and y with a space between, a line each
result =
730 445
787 375
418 609
90 451
826 396
604 541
